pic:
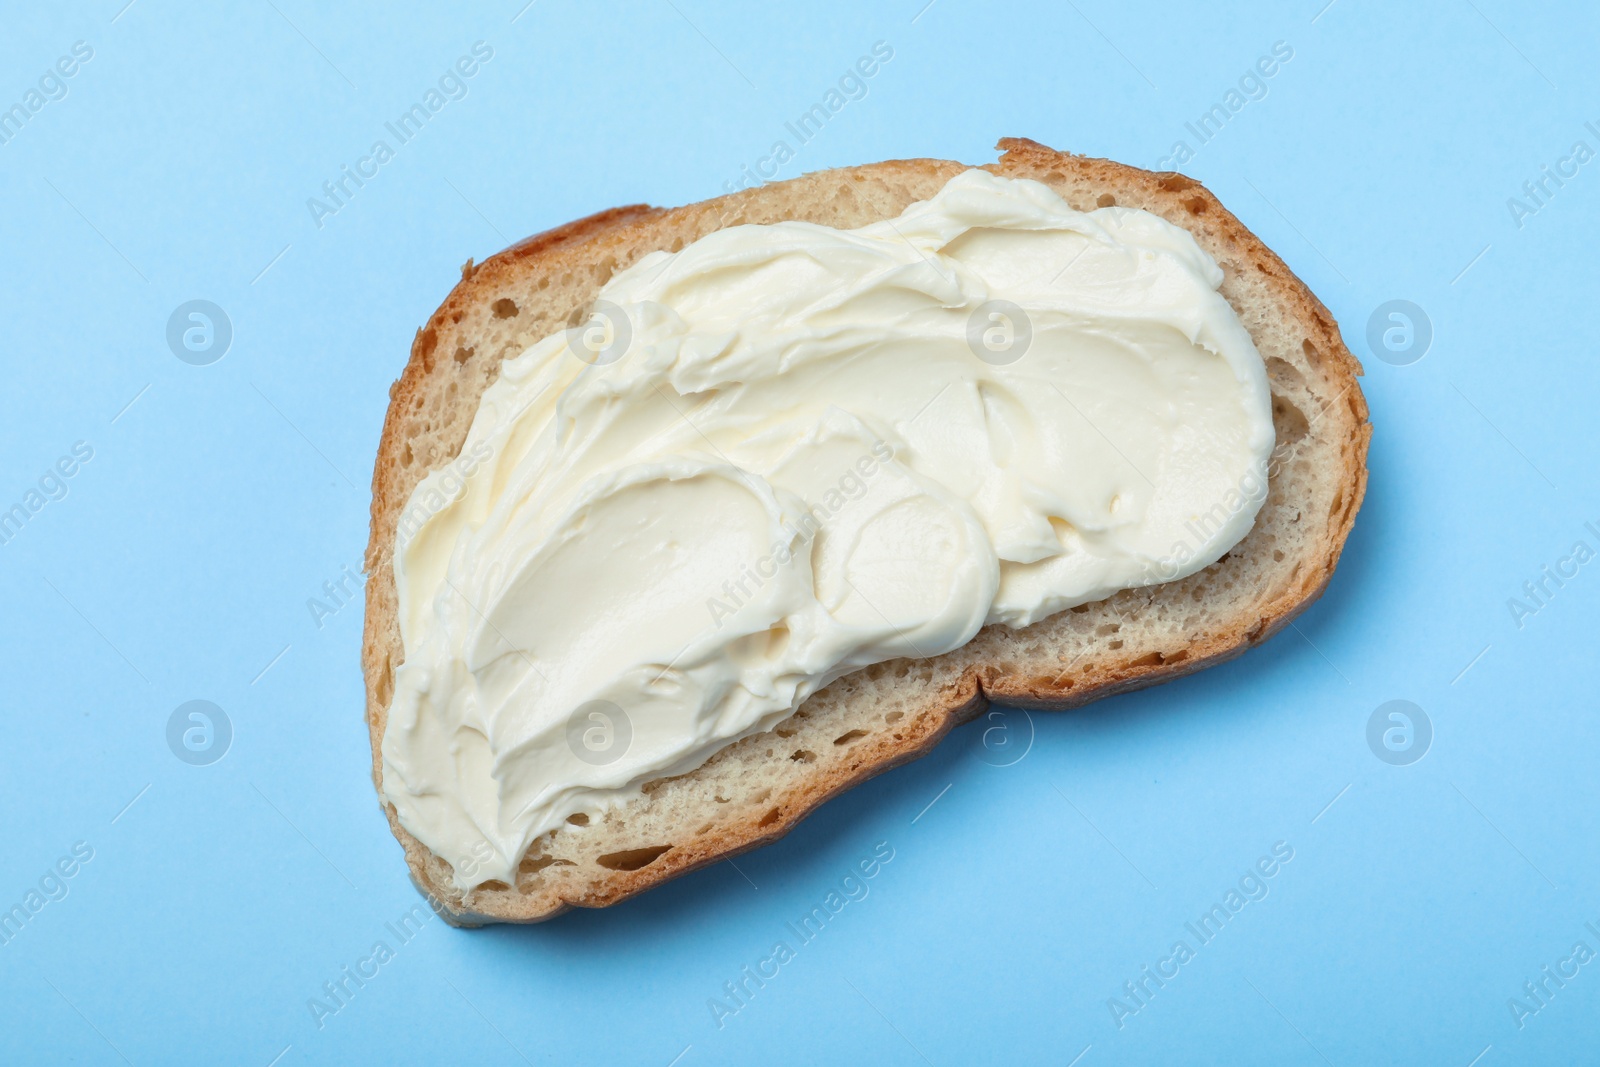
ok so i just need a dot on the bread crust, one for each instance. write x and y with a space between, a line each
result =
622 234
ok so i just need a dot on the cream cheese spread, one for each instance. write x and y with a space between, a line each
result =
786 452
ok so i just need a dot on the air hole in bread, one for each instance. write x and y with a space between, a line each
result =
1311 353
721 800
1151 659
632 859
804 755
578 819
706 829
535 864
894 716
846 738
385 682
1290 422
1282 372
1106 200
1114 644
1106 629
504 308
786 730
1196 205
1080 609
771 817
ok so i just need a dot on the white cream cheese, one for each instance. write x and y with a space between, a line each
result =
790 451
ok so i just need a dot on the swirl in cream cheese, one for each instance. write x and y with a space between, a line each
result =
786 452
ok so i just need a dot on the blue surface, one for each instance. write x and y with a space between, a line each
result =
176 564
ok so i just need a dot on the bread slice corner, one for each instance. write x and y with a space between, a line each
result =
757 789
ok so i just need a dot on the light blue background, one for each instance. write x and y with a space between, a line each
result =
180 562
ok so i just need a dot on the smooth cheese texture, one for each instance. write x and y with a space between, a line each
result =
787 452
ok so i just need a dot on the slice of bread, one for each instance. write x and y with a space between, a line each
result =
755 790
